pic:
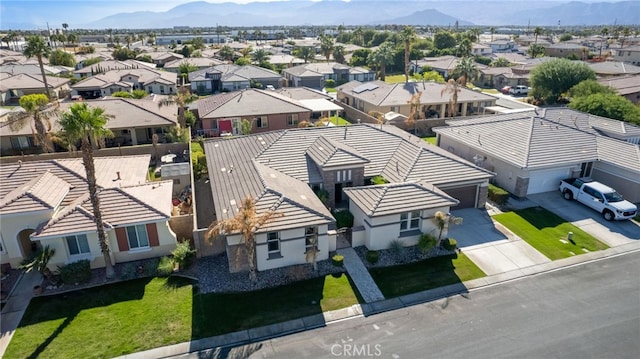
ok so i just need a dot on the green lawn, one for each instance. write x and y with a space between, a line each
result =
394 79
430 139
341 121
428 274
330 89
543 231
141 314
493 91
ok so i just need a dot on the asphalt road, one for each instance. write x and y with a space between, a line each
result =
587 311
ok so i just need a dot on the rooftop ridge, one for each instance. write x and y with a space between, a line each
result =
379 200
136 199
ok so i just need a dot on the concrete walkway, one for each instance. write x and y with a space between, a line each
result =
360 276
17 303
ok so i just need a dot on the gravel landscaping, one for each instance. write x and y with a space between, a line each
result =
389 258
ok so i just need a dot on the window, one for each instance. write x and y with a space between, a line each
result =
273 242
137 236
21 142
78 244
410 220
262 122
395 108
161 88
292 119
585 169
311 238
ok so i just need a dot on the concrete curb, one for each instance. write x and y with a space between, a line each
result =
321 320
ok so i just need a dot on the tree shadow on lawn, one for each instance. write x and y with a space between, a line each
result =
415 277
540 217
69 305
233 352
221 313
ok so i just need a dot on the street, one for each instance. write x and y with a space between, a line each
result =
585 311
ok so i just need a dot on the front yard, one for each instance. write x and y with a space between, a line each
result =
547 233
145 313
427 274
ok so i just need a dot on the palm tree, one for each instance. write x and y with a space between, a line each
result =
182 98
338 54
87 125
306 53
452 87
492 30
537 32
38 48
260 56
466 70
184 69
226 53
415 107
128 39
36 107
443 221
605 34
73 39
53 38
408 35
326 46
247 222
464 48
500 62
358 36
382 57
65 26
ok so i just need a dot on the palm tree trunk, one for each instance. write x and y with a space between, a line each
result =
89 166
44 78
406 61
251 258
41 133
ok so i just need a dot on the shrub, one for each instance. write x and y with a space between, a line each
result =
337 260
449 244
165 267
426 242
396 247
373 256
123 94
344 218
330 83
498 195
183 254
378 180
76 272
139 94
129 271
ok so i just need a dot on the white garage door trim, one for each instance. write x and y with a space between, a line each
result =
547 180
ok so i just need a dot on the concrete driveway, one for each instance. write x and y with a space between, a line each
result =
490 249
613 233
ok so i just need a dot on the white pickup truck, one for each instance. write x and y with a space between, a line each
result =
519 90
598 196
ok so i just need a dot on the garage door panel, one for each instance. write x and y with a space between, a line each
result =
466 196
546 181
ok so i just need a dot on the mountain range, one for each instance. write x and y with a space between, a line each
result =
91 14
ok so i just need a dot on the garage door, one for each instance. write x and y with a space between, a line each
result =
546 181
466 196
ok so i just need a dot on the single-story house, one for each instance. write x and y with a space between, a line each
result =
267 110
613 68
108 65
628 54
14 87
127 80
627 86
566 50
161 58
46 203
134 122
383 97
230 77
314 75
503 45
282 169
530 152
200 62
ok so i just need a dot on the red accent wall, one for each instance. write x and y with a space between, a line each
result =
152 232
121 236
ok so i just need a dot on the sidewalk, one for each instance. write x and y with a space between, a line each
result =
271 331
17 303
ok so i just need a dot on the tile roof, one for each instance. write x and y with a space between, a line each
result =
302 93
133 170
318 69
624 85
250 165
328 153
44 192
614 68
200 62
380 93
533 140
249 102
230 71
26 81
396 198
144 76
146 203
127 113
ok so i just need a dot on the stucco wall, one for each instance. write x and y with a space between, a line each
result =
11 226
292 248
624 181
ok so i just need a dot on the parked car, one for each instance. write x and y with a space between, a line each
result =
505 90
519 90
598 196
